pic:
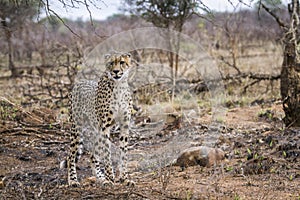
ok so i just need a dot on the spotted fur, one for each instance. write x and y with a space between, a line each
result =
95 107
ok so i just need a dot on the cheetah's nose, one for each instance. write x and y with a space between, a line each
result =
116 71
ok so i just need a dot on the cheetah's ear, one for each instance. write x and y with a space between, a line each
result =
127 55
107 56
128 58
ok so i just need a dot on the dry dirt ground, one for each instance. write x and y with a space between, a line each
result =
262 159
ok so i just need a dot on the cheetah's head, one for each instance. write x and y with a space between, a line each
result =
118 65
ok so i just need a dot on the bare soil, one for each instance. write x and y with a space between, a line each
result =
262 159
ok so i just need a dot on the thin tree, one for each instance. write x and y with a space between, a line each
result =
290 71
13 15
169 14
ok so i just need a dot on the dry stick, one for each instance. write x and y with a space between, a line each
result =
24 131
260 77
38 129
43 126
166 195
116 194
20 108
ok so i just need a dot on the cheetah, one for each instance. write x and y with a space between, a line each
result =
95 108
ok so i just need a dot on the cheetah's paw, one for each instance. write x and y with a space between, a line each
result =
73 183
107 183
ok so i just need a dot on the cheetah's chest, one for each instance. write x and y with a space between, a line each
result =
114 96
121 100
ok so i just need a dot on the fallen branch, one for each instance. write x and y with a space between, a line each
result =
255 77
260 77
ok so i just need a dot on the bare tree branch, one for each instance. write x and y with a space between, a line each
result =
278 20
50 11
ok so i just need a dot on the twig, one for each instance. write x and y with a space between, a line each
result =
231 65
250 84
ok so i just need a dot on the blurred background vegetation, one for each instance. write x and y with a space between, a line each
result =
41 51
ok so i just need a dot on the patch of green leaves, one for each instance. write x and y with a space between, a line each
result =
266 114
284 154
229 168
7 112
237 197
249 151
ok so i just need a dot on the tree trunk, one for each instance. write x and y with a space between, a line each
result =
11 66
290 88
290 72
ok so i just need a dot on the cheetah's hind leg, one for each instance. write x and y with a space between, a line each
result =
74 155
124 135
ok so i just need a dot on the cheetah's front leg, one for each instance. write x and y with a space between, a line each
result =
124 128
108 170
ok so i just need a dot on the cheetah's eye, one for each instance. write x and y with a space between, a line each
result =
122 62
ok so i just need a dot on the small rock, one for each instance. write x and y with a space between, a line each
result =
201 155
89 181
